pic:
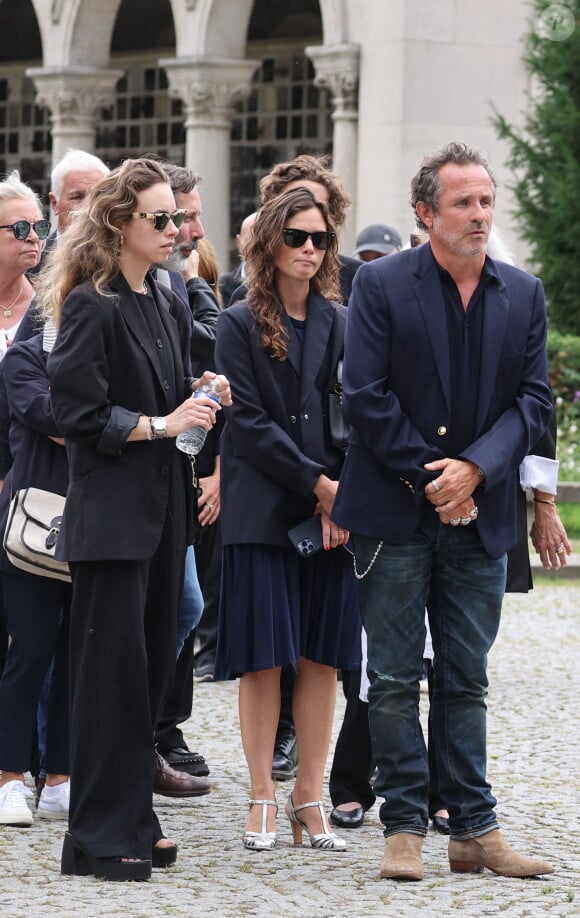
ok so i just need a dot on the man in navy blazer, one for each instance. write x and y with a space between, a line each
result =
446 388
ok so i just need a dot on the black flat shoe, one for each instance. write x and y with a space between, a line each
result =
347 819
76 862
441 825
164 857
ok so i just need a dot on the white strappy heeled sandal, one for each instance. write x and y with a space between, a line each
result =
325 839
262 840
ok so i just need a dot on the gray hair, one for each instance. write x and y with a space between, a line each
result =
75 161
425 185
181 179
12 188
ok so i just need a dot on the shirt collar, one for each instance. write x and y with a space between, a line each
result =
488 272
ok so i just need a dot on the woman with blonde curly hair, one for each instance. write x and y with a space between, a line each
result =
281 350
120 388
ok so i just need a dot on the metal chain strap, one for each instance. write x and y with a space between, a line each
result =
371 562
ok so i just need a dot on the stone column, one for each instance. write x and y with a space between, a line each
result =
209 88
337 69
75 97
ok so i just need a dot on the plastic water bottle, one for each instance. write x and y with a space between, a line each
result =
192 439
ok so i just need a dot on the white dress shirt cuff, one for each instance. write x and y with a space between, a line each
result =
540 473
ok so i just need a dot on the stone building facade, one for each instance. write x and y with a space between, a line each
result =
230 87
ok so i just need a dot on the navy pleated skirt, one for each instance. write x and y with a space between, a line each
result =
276 607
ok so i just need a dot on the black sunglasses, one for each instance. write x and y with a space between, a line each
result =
294 238
21 229
161 219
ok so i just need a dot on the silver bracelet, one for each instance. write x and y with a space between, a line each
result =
149 430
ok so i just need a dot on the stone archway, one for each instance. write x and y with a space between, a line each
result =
222 26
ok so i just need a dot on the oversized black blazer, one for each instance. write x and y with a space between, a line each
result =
398 398
104 373
275 443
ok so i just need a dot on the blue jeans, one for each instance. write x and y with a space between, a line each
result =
191 603
37 615
445 569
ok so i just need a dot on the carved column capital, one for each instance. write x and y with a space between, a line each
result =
74 95
209 88
337 69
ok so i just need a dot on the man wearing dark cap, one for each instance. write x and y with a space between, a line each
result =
377 240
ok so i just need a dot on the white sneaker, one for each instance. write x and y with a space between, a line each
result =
14 810
54 801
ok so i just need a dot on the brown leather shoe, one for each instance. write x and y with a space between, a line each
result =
491 850
172 783
402 857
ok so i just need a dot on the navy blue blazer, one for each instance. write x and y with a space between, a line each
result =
276 442
397 395
39 462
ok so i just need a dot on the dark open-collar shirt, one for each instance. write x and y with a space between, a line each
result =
464 332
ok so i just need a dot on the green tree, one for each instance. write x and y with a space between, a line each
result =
545 157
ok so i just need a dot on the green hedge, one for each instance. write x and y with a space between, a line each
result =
564 363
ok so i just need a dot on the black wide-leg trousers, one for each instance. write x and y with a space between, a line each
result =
122 649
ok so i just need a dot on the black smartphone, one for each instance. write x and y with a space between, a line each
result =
307 536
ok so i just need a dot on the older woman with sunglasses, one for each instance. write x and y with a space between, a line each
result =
22 232
34 606
281 349
121 393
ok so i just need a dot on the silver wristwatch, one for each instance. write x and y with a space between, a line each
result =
159 428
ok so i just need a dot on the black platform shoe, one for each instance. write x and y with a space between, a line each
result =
76 862
164 857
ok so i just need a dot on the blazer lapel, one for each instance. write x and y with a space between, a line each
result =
171 329
318 326
429 295
496 309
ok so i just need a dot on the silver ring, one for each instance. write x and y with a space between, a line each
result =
465 520
473 513
561 549
211 506
436 485
455 521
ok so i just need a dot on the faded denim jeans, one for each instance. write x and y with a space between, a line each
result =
446 570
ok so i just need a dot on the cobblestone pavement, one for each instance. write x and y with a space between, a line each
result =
533 766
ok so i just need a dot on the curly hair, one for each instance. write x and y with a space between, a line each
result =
425 185
261 253
91 247
309 169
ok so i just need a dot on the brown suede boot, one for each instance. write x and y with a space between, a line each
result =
402 857
494 852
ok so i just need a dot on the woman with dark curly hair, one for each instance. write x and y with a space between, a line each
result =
281 349
120 389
